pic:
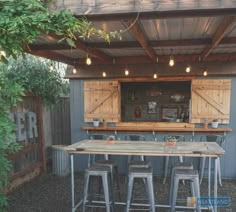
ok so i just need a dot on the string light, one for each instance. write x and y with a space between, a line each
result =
171 61
104 74
126 71
155 76
74 71
88 60
188 69
205 73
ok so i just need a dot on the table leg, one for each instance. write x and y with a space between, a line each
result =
215 183
72 183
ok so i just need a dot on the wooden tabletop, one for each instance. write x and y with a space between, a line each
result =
148 148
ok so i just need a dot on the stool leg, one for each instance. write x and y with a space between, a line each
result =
219 171
175 193
171 185
86 185
202 167
166 168
197 191
117 181
111 194
106 192
151 193
129 192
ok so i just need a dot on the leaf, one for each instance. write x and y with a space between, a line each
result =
70 42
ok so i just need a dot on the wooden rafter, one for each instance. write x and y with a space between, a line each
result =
141 38
82 46
52 56
133 44
225 25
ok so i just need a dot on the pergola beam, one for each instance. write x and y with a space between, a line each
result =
141 38
225 25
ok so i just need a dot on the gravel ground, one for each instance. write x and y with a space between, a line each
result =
49 193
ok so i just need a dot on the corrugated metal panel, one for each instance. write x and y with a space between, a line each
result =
224 49
73 53
180 28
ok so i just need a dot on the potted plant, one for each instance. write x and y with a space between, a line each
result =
215 123
104 123
96 122
171 141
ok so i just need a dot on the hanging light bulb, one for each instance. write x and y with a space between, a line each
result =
88 60
205 73
104 74
171 62
126 71
154 76
188 69
74 71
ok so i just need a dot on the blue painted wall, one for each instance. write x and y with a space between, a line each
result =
228 164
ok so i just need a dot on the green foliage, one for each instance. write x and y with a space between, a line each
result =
22 21
10 94
34 75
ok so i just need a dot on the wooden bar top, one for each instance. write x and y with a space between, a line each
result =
157 129
148 148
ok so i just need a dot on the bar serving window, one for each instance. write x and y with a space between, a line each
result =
155 101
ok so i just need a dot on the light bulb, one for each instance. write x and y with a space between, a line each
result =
155 76
126 72
205 73
74 71
171 62
88 61
188 69
104 74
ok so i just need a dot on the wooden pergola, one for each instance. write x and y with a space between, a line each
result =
195 33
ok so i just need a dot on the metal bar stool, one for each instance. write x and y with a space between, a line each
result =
178 165
105 174
111 164
211 138
136 163
185 174
167 158
147 175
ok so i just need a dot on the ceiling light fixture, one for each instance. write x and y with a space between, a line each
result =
205 73
171 61
126 71
88 60
104 74
188 69
154 76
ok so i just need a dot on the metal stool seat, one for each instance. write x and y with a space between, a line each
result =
139 164
147 175
185 174
105 174
178 165
112 165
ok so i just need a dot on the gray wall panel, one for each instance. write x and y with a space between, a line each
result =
227 161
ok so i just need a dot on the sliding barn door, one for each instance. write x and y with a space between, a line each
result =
101 100
211 100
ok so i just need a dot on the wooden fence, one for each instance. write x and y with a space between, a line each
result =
52 127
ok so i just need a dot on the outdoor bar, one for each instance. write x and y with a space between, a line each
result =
156 102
